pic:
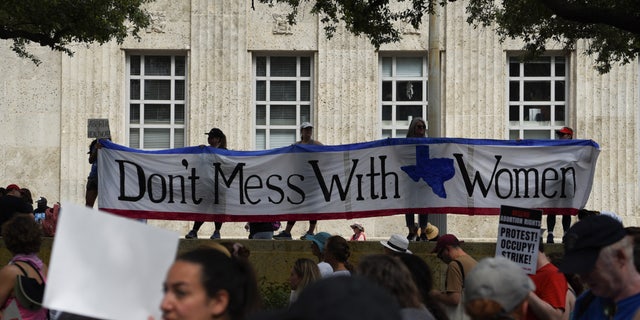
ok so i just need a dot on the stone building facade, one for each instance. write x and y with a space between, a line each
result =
222 64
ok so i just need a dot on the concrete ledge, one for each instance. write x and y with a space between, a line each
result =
273 259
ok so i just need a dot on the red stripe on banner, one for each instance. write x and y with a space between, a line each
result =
189 216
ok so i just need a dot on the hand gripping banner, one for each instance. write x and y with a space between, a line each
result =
384 177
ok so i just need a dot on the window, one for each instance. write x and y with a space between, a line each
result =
283 99
157 101
403 93
537 94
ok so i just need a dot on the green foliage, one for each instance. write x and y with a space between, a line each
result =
58 23
274 295
609 27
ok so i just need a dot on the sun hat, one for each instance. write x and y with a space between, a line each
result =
397 243
584 240
431 231
498 279
357 225
319 239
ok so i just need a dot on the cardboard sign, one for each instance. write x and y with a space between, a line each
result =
519 236
98 128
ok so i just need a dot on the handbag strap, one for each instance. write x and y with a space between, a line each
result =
32 266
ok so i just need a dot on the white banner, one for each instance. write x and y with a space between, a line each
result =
385 177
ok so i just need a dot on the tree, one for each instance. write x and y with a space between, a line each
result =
609 27
58 23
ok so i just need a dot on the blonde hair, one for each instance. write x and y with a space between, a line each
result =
308 272
487 309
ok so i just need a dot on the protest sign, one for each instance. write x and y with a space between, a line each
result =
98 128
519 236
310 182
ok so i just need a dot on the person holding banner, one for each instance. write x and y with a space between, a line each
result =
306 137
216 139
417 129
565 133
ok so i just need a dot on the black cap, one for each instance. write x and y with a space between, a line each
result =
215 132
585 239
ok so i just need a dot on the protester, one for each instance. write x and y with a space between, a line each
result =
306 137
417 129
40 211
423 278
206 283
599 250
12 203
575 286
303 273
22 237
318 249
459 264
396 244
337 253
548 300
216 139
391 274
91 193
565 133
497 288
358 232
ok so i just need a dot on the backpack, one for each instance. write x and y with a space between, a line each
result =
50 221
28 291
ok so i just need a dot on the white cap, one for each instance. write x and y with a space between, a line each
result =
305 125
498 279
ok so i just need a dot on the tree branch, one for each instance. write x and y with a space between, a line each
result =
624 20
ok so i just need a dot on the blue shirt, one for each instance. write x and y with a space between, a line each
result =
604 309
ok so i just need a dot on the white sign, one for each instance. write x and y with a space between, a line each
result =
107 267
98 128
309 182
519 236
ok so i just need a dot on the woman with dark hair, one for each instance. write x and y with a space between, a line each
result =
391 274
22 237
337 253
423 278
206 283
417 129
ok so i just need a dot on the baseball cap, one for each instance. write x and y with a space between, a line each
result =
42 200
319 239
305 125
446 240
12 187
584 240
215 132
565 130
498 279
397 243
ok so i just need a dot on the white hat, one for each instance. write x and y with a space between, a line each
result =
305 125
498 279
397 243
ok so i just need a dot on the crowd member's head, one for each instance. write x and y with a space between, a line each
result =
497 288
25 194
391 274
342 298
600 252
237 249
337 253
207 283
417 128
564 133
216 138
318 242
303 273
448 248
22 235
13 190
422 275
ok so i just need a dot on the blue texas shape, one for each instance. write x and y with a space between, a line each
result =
433 171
